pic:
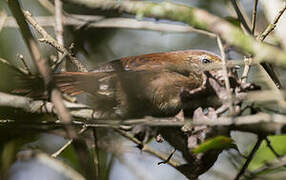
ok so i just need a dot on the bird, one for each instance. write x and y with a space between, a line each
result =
138 86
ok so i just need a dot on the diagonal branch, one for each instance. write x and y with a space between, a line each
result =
272 26
254 17
50 40
249 158
240 16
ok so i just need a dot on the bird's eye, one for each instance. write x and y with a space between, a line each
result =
206 61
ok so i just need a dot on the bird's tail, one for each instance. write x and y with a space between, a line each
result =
26 84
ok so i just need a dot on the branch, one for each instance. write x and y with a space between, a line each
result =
254 17
271 148
50 40
260 123
240 16
66 145
249 158
272 26
147 148
101 22
59 29
225 74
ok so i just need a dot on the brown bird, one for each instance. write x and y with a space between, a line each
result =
136 86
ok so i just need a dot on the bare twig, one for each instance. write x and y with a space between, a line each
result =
254 17
21 57
128 23
168 159
272 26
66 145
271 148
276 92
59 29
147 148
271 78
247 63
249 158
17 69
225 74
267 68
50 40
240 16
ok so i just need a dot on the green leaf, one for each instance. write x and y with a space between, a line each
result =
264 154
219 142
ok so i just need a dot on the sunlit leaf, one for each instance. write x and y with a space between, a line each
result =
219 142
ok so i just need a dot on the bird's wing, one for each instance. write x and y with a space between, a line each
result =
155 61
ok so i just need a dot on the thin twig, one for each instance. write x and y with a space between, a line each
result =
247 63
272 25
273 81
249 158
59 29
240 16
168 159
50 40
66 145
147 148
21 57
254 17
16 68
276 92
116 22
225 74
267 68
271 148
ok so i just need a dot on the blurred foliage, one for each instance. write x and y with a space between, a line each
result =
264 154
